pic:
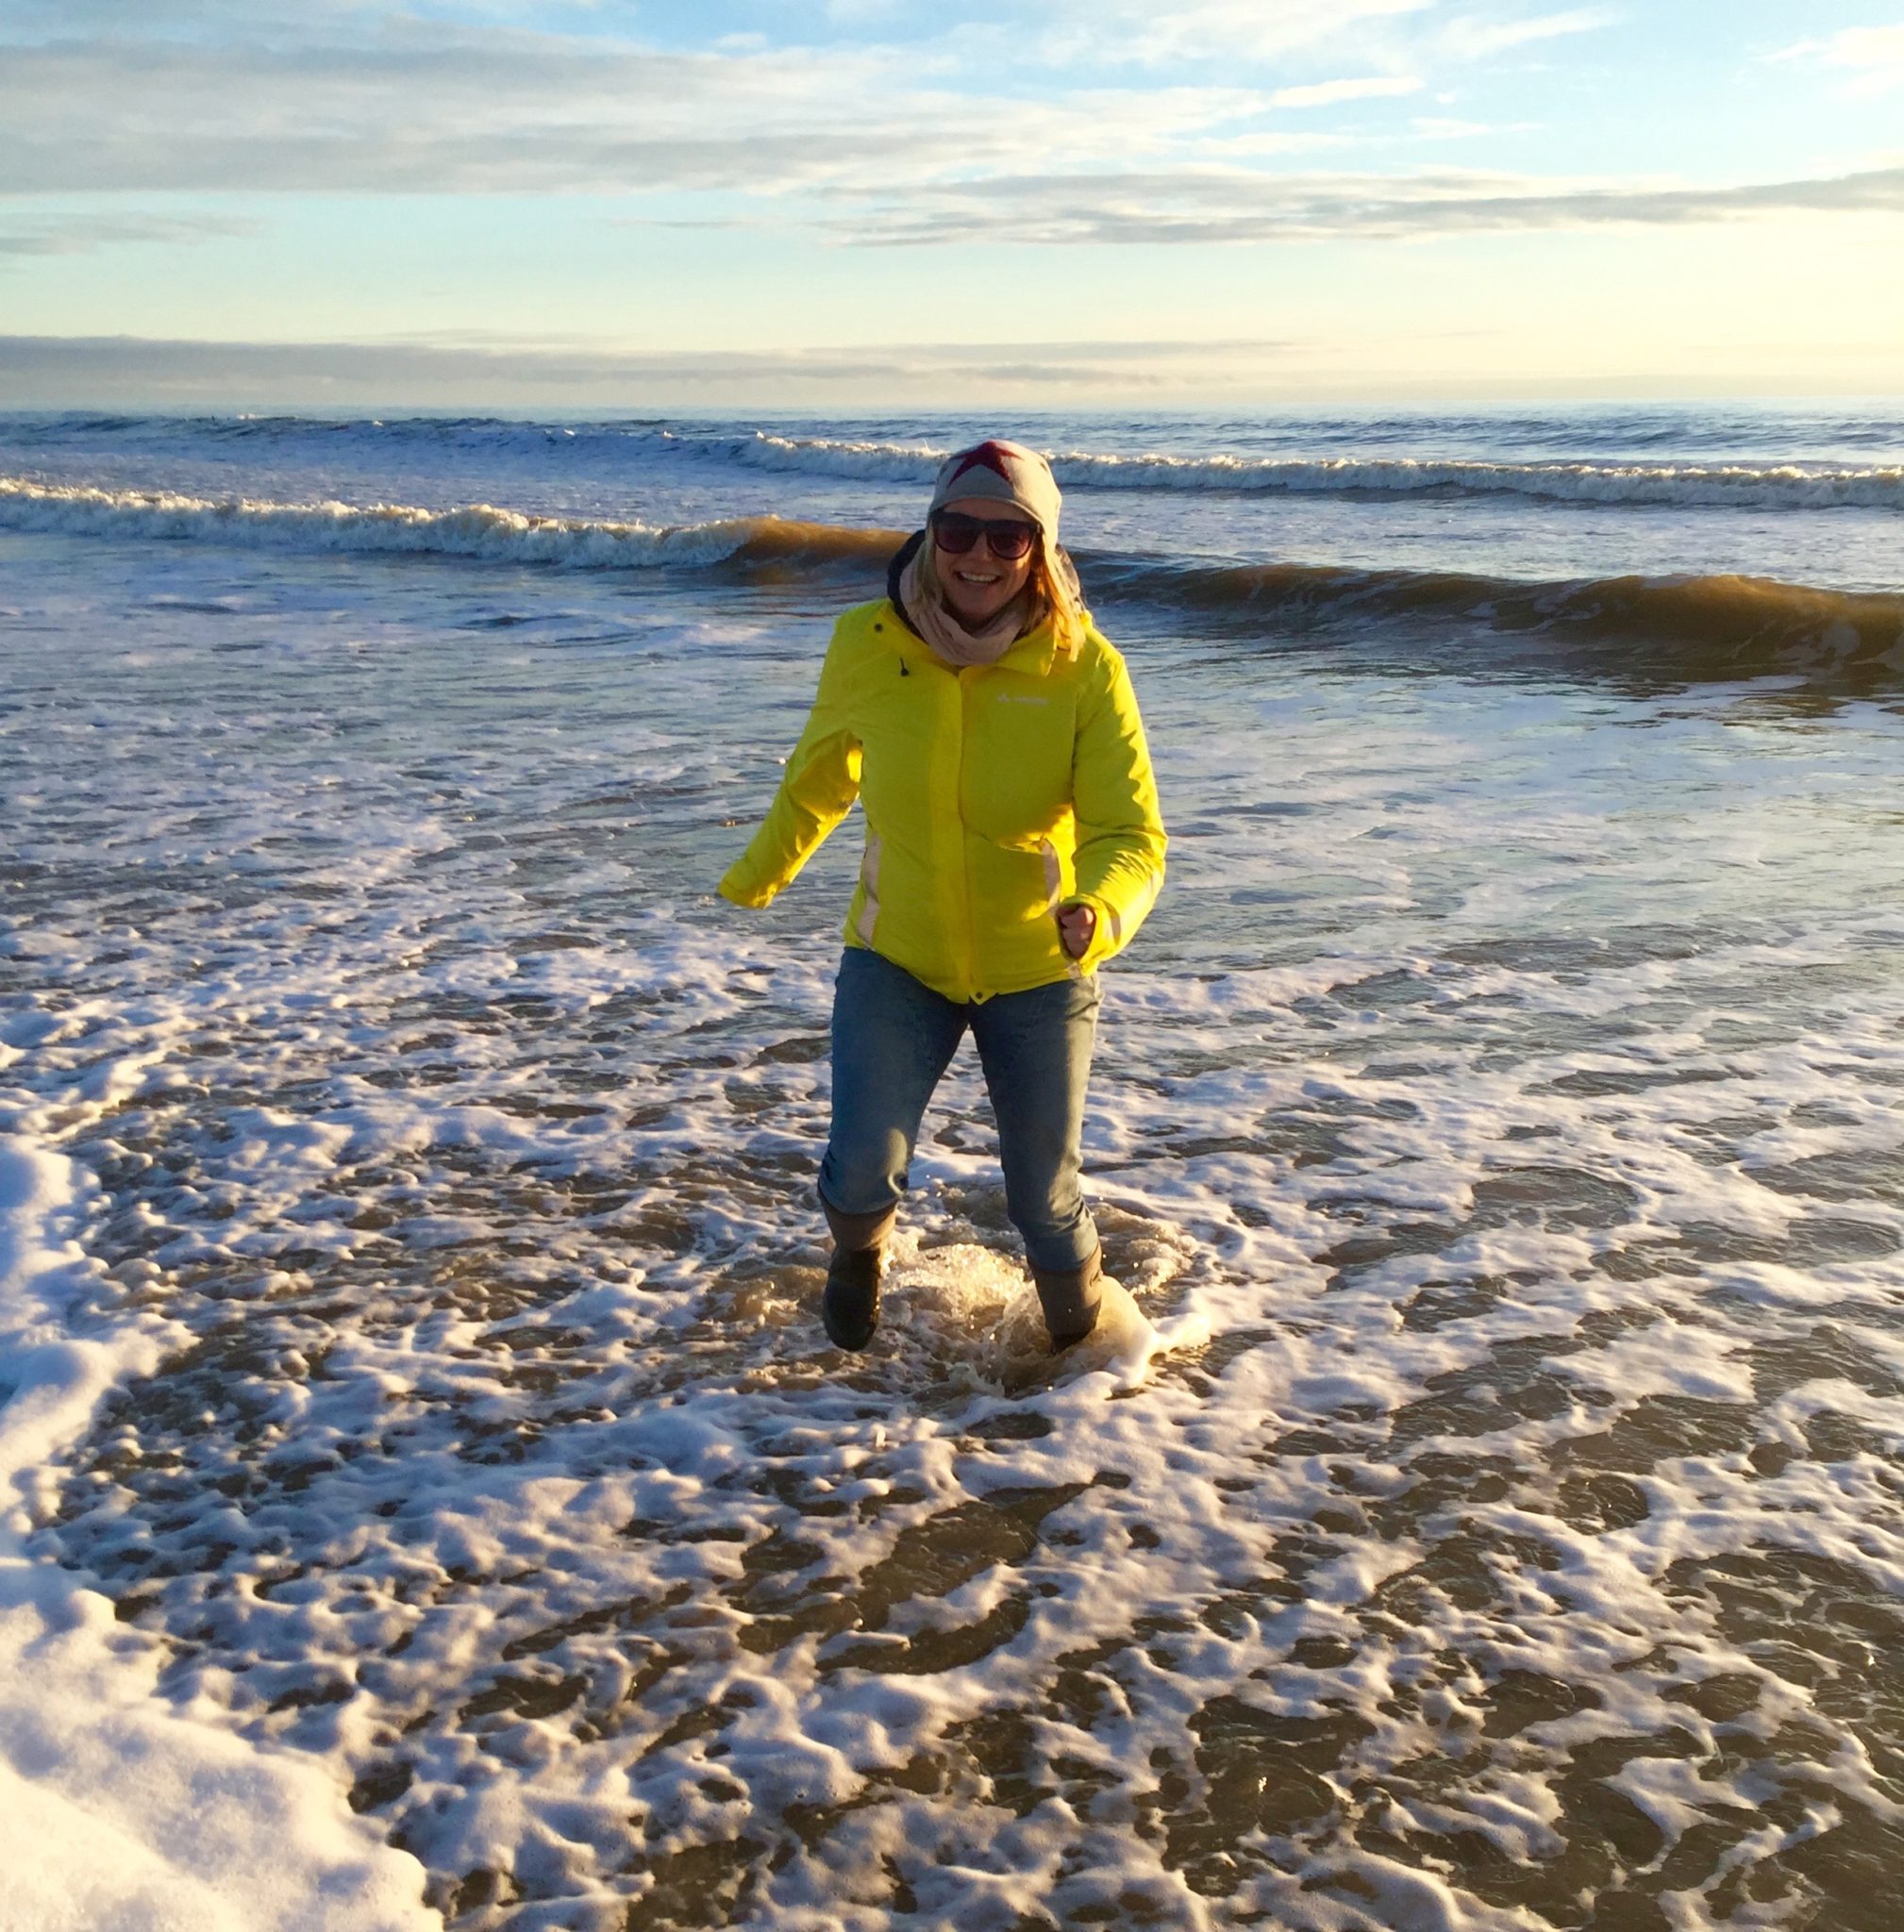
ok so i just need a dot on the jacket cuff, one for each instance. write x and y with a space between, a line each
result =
1102 942
737 891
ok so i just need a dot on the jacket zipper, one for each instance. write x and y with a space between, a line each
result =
965 947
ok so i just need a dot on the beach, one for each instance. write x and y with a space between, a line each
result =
1489 1515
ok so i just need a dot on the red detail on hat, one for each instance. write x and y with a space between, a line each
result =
985 456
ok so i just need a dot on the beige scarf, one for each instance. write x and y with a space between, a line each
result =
951 643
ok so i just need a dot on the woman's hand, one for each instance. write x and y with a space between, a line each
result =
1076 925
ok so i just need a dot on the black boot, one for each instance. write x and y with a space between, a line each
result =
1068 1297
850 1306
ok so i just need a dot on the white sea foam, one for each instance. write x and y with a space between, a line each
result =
476 530
1767 486
1581 494
118 1813
1506 1085
1705 627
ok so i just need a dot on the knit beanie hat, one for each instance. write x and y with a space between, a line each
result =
1008 473
1002 473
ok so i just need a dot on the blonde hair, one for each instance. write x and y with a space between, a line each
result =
1063 597
1052 591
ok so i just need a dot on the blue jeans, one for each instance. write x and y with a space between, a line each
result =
893 1038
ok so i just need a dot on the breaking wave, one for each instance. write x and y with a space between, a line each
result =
1710 626
1735 486
1704 626
1311 463
471 530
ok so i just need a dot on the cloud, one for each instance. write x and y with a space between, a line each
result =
513 113
1442 127
861 143
1143 32
1469 39
456 371
1326 93
343 97
1214 206
82 234
1874 55
1235 146
186 23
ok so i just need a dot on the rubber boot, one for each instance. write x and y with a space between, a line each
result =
1068 1298
850 1306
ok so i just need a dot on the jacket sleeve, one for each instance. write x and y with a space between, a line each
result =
1120 826
817 791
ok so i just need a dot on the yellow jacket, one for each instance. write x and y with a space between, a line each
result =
992 796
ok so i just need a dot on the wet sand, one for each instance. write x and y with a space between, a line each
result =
1499 1120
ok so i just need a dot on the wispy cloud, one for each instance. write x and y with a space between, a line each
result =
1444 127
455 369
867 142
460 112
862 12
1326 93
1234 206
1470 38
1255 31
82 234
1873 55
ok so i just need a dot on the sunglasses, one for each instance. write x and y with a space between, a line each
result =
1009 538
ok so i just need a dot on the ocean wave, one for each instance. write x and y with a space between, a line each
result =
1704 625
1624 463
1701 626
1737 485
471 530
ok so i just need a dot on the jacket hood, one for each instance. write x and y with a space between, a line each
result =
896 570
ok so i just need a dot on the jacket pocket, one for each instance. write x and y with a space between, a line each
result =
1054 897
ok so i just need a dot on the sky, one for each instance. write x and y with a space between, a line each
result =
736 204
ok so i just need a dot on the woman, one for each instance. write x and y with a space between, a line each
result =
1013 844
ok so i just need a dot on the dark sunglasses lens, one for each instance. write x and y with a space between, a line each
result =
1008 537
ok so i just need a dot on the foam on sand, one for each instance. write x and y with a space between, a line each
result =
977 1310
1510 1078
118 1814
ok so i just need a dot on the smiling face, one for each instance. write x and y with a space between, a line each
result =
978 586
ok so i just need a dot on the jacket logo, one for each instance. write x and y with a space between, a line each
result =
1021 697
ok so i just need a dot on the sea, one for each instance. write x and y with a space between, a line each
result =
1484 1508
